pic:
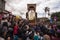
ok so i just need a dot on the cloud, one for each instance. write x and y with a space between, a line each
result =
20 6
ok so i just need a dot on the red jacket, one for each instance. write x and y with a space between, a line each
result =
15 31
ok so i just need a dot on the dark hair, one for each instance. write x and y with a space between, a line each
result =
41 33
58 34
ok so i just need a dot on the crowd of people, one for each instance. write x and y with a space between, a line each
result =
12 28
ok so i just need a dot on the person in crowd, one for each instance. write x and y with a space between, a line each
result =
4 27
56 37
41 36
54 26
15 31
20 29
8 38
25 32
36 36
0 24
46 37
2 38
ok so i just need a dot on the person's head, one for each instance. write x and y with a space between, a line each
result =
16 24
27 27
20 22
49 27
41 33
57 34
37 32
8 38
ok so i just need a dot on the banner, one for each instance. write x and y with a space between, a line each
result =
31 15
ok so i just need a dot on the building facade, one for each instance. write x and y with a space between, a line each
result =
2 5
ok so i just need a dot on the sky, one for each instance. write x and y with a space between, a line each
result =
19 7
